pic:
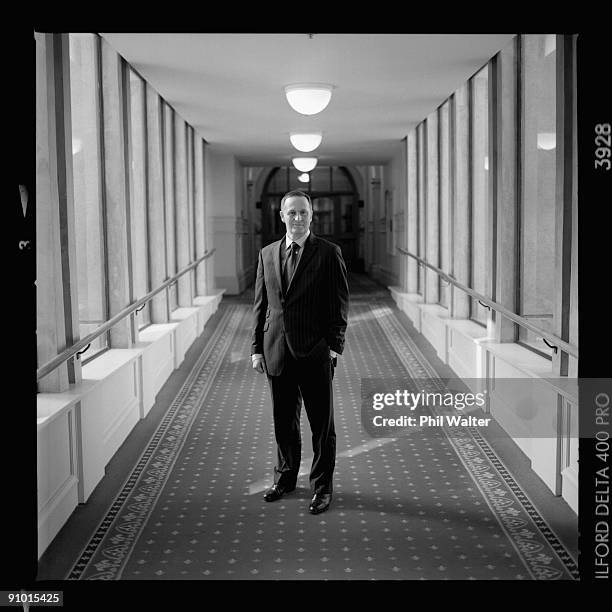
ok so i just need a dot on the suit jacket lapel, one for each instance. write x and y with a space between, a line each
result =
276 260
309 250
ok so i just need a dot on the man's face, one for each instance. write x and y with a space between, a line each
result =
296 215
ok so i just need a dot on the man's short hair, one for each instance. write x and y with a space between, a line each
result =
296 193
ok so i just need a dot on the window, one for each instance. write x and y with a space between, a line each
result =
170 208
444 230
480 264
421 205
191 197
284 180
537 208
138 196
335 205
323 216
86 172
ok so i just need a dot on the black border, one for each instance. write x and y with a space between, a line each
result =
594 106
20 508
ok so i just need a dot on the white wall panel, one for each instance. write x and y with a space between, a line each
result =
107 414
119 400
433 327
462 355
185 333
57 483
529 409
156 363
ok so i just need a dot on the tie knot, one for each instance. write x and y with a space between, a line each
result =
294 247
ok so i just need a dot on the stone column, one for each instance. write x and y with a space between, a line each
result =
50 322
116 194
181 201
412 213
422 193
401 231
169 204
432 248
445 230
224 194
65 202
200 217
209 222
573 315
503 156
250 251
374 193
190 207
565 196
461 216
155 203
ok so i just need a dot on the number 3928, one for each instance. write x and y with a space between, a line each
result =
603 141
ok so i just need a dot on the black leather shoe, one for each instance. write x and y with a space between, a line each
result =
276 492
320 503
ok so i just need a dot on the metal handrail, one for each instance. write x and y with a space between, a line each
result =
570 349
75 348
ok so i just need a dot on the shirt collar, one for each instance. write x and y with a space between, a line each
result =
300 241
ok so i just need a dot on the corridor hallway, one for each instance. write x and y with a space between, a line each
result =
183 496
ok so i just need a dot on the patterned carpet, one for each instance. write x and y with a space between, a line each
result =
435 505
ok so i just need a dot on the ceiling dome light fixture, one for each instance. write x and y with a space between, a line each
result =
308 98
304 178
304 164
306 142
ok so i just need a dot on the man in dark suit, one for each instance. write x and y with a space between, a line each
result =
301 309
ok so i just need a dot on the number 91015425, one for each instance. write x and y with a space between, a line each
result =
603 142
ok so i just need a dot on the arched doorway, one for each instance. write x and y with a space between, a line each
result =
335 203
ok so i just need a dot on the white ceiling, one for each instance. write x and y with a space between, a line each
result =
230 86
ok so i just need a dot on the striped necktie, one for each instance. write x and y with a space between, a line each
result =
290 263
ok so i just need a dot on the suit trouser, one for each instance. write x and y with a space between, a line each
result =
313 383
